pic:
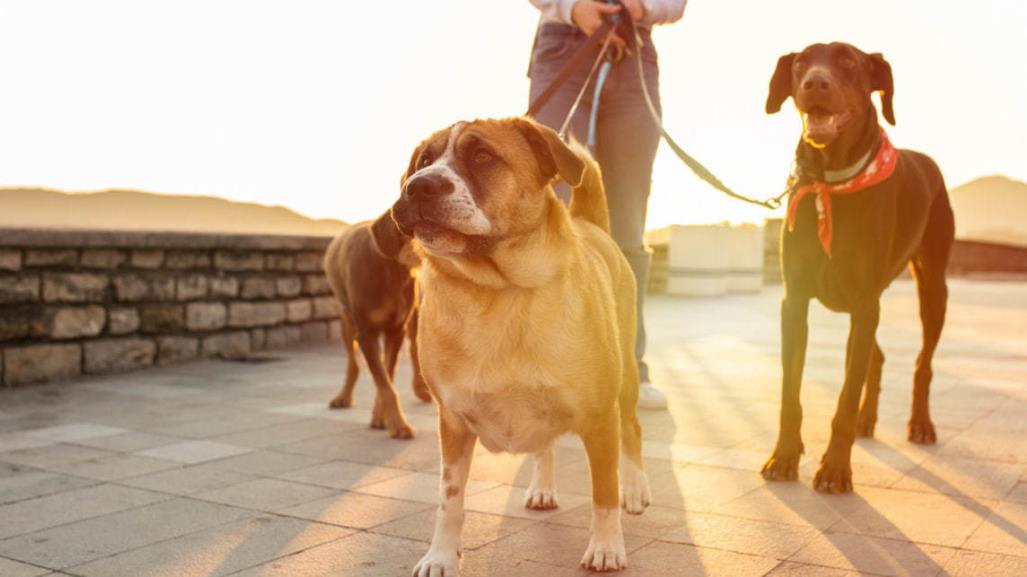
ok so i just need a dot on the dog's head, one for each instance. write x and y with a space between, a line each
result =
831 86
474 184
390 241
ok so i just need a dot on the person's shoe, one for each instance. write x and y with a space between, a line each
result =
649 397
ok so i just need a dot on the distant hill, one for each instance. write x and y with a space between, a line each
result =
134 210
993 209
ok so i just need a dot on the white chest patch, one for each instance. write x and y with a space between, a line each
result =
514 420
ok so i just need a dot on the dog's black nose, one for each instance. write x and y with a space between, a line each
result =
816 82
428 185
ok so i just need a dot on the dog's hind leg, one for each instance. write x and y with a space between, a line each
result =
541 493
928 268
349 342
635 495
606 551
871 392
387 405
419 384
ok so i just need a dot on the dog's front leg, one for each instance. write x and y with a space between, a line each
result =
443 557
541 494
606 550
835 472
783 465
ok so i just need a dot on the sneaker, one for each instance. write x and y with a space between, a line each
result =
649 397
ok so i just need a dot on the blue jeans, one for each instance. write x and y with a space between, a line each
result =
626 139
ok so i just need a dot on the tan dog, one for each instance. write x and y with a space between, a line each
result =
528 321
376 296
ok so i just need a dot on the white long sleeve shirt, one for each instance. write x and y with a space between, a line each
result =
656 11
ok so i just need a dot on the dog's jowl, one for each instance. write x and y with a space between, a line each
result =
860 211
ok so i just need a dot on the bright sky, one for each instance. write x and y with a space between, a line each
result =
317 105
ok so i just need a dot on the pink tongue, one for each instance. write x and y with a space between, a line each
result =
821 126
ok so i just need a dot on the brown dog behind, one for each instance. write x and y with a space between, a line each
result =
377 298
845 249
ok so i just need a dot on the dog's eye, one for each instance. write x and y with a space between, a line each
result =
482 156
848 63
424 161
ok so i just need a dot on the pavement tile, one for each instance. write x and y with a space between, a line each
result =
1004 531
275 435
373 447
188 480
342 475
217 551
962 477
9 568
700 488
70 506
979 564
789 569
265 494
505 500
877 556
680 560
129 442
422 487
479 528
49 456
266 463
114 467
487 562
73 432
762 538
554 544
785 502
34 483
91 539
1019 493
194 451
655 522
360 555
355 510
17 440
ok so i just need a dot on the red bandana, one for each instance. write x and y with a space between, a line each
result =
879 169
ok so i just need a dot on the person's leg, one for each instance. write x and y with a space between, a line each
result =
627 139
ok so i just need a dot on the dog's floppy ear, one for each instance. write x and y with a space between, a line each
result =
387 237
881 81
412 165
553 155
780 83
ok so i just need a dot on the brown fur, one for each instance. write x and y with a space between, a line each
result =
371 269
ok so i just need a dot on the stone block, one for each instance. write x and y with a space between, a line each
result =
41 363
19 289
191 287
51 257
162 287
75 287
289 286
227 345
258 288
258 339
103 258
147 258
177 349
280 337
118 355
130 288
24 321
316 285
299 310
334 330
223 286
10 259
314 332
280 262
122 321
309 261
256 314
238 261
186 260
325 308
205 316
74 322
162 318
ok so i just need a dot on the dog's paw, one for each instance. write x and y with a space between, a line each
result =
865 424
833 476
404 431
635 495
340 402
377 422
921 431
438 564
540 499
782 467
605 555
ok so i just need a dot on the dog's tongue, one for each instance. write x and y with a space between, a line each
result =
822 127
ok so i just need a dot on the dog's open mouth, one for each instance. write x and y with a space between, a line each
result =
822 125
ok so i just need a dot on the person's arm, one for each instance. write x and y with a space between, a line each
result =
556 10
663 11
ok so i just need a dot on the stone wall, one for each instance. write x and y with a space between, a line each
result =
76 303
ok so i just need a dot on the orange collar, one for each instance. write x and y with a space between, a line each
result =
877 171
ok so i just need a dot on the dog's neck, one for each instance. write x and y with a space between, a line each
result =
526 261
846 156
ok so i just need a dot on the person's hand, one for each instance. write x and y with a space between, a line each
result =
635 8
588 16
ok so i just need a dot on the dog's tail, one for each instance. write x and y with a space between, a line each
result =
589 198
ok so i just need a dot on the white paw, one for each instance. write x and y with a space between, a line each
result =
635 495
540 499
605 555
438 564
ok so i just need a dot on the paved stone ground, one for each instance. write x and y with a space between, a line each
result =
221 468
